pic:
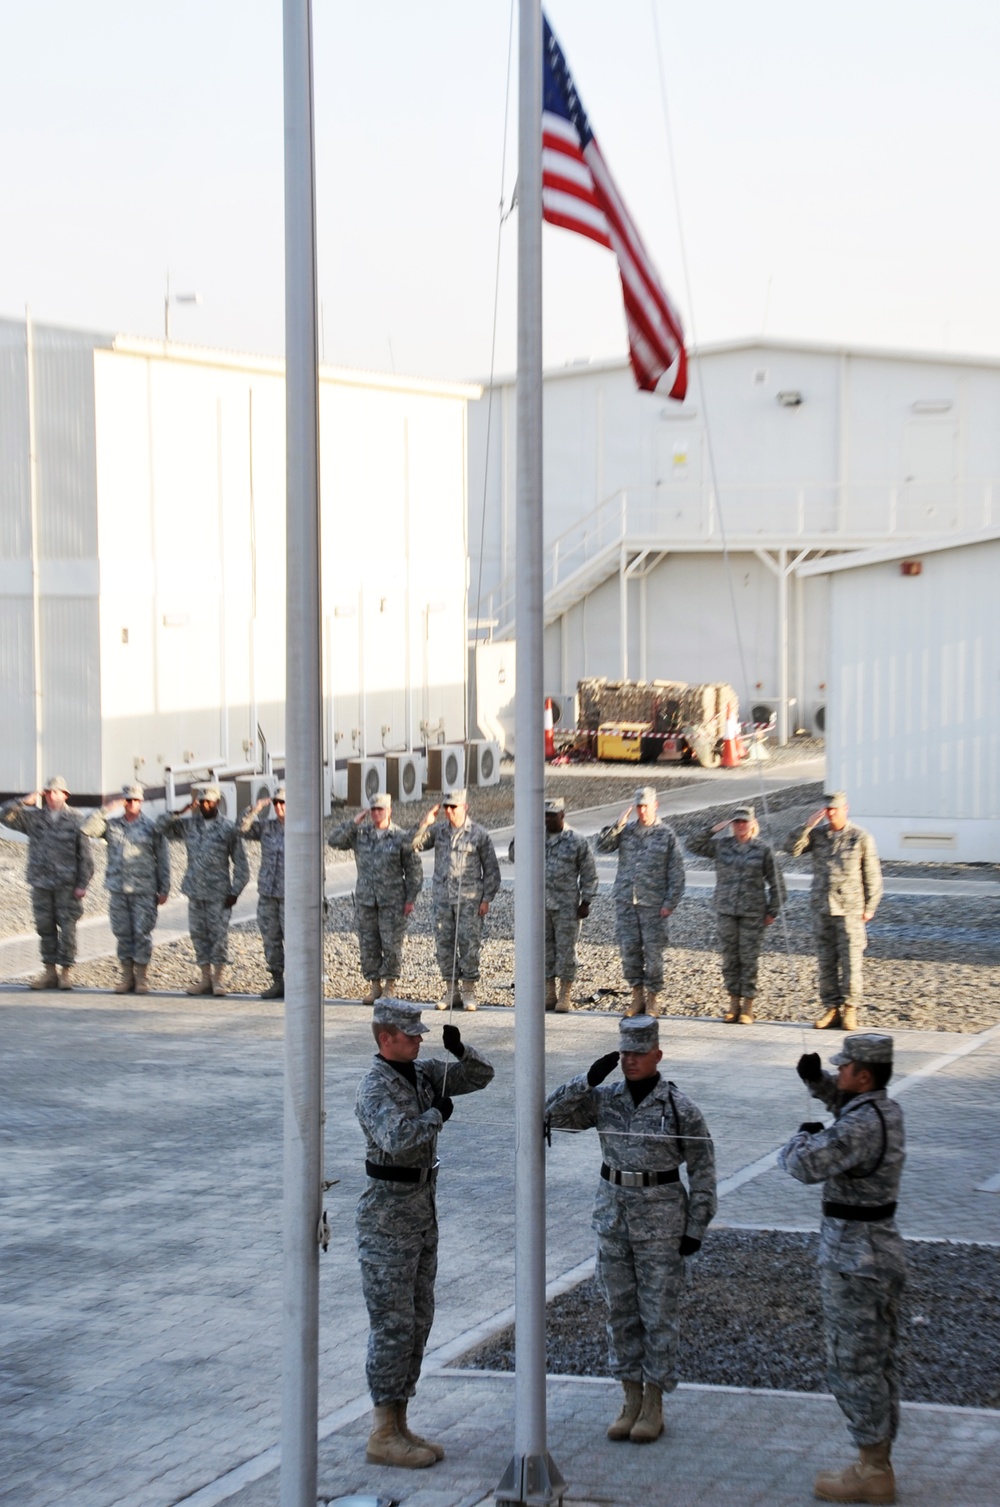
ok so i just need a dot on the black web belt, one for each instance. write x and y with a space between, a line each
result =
401 1174
865 1213
651 1178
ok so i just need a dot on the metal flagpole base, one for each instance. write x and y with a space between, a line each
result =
531 1481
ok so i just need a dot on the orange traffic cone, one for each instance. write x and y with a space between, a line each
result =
550 737
731 740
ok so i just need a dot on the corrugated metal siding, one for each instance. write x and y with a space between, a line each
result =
64 436
15 526
71 690
17 746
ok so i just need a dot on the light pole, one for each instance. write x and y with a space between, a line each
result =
170 298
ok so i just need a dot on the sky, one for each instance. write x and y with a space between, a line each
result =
835 172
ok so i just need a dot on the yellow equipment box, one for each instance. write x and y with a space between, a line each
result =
621 740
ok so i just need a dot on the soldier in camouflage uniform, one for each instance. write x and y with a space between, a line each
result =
390 877
570 887
270 884
645 1221
137 879
466 879
846 890
749 892
402 1105
60 866
859 1161
217 873
648 888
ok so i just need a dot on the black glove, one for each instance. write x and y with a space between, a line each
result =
452 1038
599 1070
809 1068
812 1127
583 910
689 1246
444 1107
230 901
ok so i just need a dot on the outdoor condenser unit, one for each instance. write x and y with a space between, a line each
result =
365 779
402 776
228 805
482 762
252 788
445 767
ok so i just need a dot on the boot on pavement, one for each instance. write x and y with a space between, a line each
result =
126 983
746 1011
141 981
867 1479
66 977
829 1020
276 989
437 1450
387 1446
563 1001
732 1015
849 1017
631 1407
372 993
47 979
390 989
550 994
219 978
637 1002
203 983
469 1000
649 1424
652 1002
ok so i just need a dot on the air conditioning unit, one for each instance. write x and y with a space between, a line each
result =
228 805
402 776
819 716
482 762
365 778
564 708
446 767
253 788
764 711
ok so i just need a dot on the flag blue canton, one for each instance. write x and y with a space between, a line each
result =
559 92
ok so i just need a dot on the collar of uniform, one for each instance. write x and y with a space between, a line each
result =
873 1096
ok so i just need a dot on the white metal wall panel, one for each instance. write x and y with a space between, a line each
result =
71 692
17 746
64 439
15 524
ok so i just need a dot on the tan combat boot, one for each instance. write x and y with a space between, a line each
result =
141 982
47 979
631 1406
387 1446
732 1015
563 1001
219 978
276 989
652 1001
372 993
126 983
649 1424
437 1450
390 989
66 977
638 1000
867 1479
469 1000
203 983
829 1020
849 1017
550 994
746 1011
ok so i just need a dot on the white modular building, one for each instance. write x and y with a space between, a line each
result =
142 561
913 726
673 531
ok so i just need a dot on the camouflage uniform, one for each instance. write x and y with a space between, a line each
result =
397 1221
639 1265
748 889
59 862
847 884
570 881
138 870
270 833
650 877
216 867
466 873
859 1160
390 875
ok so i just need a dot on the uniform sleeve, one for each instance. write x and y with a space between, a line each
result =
609 837
573 1106
871 874
674 876
413 873
161 856
491 869
84 859
587 871
702 844
241 864
12 814
699 1155
344 836
171 826
249 826
389 1128
843 1145
799 839
775 882
95 826
464 1075
421 838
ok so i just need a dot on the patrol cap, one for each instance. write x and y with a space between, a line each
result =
133 792
744 814
279 794
381 802
209 793
57 783
555 805
864 1047
645 796
399 1015
455 798
638 1033
834 799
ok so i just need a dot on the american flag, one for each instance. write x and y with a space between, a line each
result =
579 193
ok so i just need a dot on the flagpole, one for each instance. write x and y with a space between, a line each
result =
303 1171
531 1476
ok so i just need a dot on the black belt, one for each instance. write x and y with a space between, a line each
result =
866 1213
401 1174
647 1179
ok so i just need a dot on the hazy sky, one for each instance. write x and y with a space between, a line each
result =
836 171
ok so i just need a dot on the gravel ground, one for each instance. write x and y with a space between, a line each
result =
751 1318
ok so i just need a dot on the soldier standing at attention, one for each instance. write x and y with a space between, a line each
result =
859 1161
390 877
749 893
137 879
401 1106
60 866
645 1221
648 888
466 879
217 873
846 890
270 884
570 887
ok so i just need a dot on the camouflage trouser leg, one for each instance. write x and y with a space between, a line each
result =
56 913
642 938
561 931
468 923
397 1248
642 1284
840 949
742 938
132 920
861 1323
208 923
271 921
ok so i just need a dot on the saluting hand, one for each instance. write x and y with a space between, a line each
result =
602 1068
